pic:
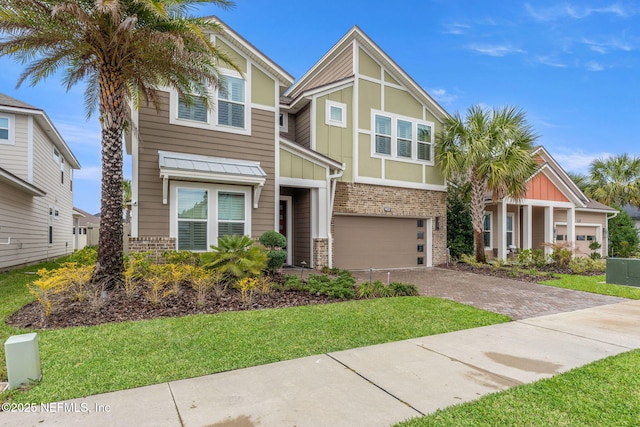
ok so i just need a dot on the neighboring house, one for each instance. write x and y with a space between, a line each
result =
634 213
85 229
36 186
341 162
554 211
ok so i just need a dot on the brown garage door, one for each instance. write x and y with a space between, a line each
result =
378 242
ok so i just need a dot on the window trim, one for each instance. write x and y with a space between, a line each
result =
212 221
11 127
490 230
343 113
394 138
513 228
284 126
244 103
212 116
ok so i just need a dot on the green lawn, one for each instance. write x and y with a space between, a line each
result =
90 360
604 393
593 284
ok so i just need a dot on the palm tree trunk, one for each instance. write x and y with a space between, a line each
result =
478 188
110 264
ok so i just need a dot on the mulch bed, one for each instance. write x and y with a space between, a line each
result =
508 273
121 308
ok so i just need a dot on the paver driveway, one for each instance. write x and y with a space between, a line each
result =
516 299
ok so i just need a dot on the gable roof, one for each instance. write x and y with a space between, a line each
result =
285 79
355 34
12 105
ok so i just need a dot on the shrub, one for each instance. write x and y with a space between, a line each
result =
201 281
340 287
181 257
236 257
175 274
294 282
45 289
276 256
136 267
156 285
85 256
248 286
404 289
531 258
581 265
77 278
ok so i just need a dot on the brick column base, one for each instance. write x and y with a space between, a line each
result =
320 253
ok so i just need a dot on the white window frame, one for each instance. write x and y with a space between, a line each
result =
212 112
512 231
56 155
490 230
177 112
343 114
283 121
212 213
50 230
394 138
244 103
11 140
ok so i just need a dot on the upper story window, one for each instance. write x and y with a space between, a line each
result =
196 110
402 137
336 114
231 102
6 129
284 122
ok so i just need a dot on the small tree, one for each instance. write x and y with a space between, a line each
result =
276 243
236 257
623 235
459 228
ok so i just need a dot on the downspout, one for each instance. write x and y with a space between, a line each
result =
332 182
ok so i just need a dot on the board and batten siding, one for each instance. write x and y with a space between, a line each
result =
25 218
156 133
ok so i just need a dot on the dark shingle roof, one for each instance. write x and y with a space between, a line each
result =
633 211
8 101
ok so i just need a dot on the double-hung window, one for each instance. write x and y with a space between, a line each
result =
231 218
509 230
383 135
402 137
5 128
196 110
193 219
231 102
424 142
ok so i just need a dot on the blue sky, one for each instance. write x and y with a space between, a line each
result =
574 67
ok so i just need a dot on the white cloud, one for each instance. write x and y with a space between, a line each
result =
442 96
551 62
604 46
89 173
494 50
568 10
79 133
594 66
456 28
578 162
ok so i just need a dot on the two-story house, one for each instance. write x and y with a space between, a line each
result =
36 186
341 162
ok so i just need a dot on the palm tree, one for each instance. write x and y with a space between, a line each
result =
124 50
491 150
615 180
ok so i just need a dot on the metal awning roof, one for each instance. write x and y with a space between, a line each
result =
193 167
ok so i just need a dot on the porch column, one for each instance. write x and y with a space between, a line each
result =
571 228
502 229
527 229
548 229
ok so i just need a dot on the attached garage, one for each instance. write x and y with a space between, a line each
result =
361 242
585 235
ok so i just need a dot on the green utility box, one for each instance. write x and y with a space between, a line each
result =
623 271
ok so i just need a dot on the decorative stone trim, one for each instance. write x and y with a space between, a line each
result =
320 253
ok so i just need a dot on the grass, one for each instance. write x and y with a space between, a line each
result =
89 360
593 284
604 393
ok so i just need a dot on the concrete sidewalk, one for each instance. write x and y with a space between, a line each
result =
369 386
